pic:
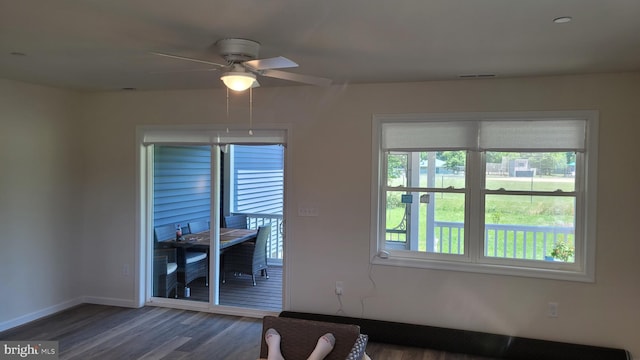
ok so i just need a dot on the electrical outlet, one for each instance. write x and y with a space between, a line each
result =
553 309
339 287
125 270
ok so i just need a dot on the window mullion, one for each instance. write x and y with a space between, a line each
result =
580 207
383 182
474 207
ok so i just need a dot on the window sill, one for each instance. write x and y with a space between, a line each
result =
558 272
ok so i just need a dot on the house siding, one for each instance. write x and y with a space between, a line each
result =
181 184
258 179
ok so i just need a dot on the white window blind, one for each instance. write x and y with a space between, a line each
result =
206 135
479 135
441 135
545 135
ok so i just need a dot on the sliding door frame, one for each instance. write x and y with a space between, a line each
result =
144 209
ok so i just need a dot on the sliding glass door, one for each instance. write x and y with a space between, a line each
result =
253 179
196 182
181 208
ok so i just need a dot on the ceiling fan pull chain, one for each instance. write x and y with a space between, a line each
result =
227 110
250 111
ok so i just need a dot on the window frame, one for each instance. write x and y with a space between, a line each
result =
474 260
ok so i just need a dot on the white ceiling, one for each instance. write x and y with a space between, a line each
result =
106 44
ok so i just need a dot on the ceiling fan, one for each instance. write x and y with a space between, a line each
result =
242 65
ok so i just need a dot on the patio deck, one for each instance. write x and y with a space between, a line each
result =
238 291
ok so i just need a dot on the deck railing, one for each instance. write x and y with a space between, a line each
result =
275 242
504 241
525 242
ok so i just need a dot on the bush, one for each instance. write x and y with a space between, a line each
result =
563 251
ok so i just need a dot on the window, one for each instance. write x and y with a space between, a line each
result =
505 193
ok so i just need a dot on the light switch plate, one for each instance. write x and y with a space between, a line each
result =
307 211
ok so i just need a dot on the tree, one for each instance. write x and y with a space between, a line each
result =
546 162
495 156
396 165
453 159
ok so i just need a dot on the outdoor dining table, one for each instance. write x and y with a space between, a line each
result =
228 237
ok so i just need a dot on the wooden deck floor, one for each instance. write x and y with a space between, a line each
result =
238 291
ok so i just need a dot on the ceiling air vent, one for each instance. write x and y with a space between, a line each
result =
476 76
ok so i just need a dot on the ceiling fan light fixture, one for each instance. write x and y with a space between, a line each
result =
238 81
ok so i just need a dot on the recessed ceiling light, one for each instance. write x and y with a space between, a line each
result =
562 19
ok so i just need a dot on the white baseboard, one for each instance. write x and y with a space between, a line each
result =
110 301
204 307
23 319
130 303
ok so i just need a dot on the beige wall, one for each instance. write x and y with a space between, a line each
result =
40 188
331 169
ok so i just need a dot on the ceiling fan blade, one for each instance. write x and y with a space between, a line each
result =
188 59
279 62
306 79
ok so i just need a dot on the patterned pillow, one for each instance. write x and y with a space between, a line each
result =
357 351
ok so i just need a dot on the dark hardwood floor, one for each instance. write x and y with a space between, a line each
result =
106 332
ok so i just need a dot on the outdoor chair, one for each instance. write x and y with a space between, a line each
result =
235 222
165 272
248 257
198 226
192 263
164 233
